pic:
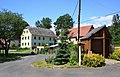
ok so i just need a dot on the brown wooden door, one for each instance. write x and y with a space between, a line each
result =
97 46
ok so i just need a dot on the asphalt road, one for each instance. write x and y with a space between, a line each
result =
22 68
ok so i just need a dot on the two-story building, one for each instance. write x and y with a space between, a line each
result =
35 36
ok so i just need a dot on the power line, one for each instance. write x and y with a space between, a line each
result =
101 5
75 9
100 17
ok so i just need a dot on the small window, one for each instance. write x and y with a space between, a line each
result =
39 38
26 31
25 44
35 37
28 37
22 38
43 38
50 38
28 44
39 44
34 43
22 44
25 38
76 38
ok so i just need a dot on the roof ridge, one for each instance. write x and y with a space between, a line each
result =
93 32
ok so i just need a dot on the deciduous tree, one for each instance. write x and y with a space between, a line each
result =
11 26
115 29
44 23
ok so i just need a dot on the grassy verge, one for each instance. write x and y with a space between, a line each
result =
10 57
21 50
44 64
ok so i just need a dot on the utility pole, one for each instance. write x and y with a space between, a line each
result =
79 42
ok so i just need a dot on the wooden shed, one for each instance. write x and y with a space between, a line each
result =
98 41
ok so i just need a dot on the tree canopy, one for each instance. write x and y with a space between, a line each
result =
114 29
44 23
62 24
11 27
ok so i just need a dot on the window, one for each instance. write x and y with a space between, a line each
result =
28 37
39 38
35 37
34 43
25 38
39 44
22 44
25 44
43 38
28 44
50 38
26 31
22 38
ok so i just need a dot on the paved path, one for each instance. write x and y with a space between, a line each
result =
22 68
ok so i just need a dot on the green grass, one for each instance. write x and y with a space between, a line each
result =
10 57
44 64
21 51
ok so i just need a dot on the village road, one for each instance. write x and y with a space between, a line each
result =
22 68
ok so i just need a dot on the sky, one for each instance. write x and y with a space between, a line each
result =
33 10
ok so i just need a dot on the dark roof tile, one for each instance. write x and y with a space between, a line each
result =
41 31
92 32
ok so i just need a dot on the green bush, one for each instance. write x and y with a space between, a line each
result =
62 57
95 60
115 55
73 58
50 60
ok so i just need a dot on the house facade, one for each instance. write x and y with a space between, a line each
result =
34 36
98 40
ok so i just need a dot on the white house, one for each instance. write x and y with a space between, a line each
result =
34 36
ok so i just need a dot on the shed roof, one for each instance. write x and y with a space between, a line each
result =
40 31
92 32
83 31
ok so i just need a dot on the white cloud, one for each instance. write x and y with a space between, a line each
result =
102 20
98 21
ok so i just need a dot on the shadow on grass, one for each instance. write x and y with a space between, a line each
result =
13 56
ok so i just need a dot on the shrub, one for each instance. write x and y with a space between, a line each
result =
95 60
73 59
62 57
42 51
50 60
115 55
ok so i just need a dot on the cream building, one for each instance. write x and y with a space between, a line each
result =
34 36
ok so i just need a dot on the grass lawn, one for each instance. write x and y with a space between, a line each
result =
21 51
44 64
14 55
10 57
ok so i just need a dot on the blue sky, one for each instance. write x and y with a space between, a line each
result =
34 10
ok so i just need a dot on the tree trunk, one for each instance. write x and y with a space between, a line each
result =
6 52
5 44
6 48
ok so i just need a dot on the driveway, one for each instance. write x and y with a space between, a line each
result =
22 68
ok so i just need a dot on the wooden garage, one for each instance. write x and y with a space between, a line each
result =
98 41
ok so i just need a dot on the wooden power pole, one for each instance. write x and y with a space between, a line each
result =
79 47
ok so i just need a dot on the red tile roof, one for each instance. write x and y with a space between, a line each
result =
83 31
